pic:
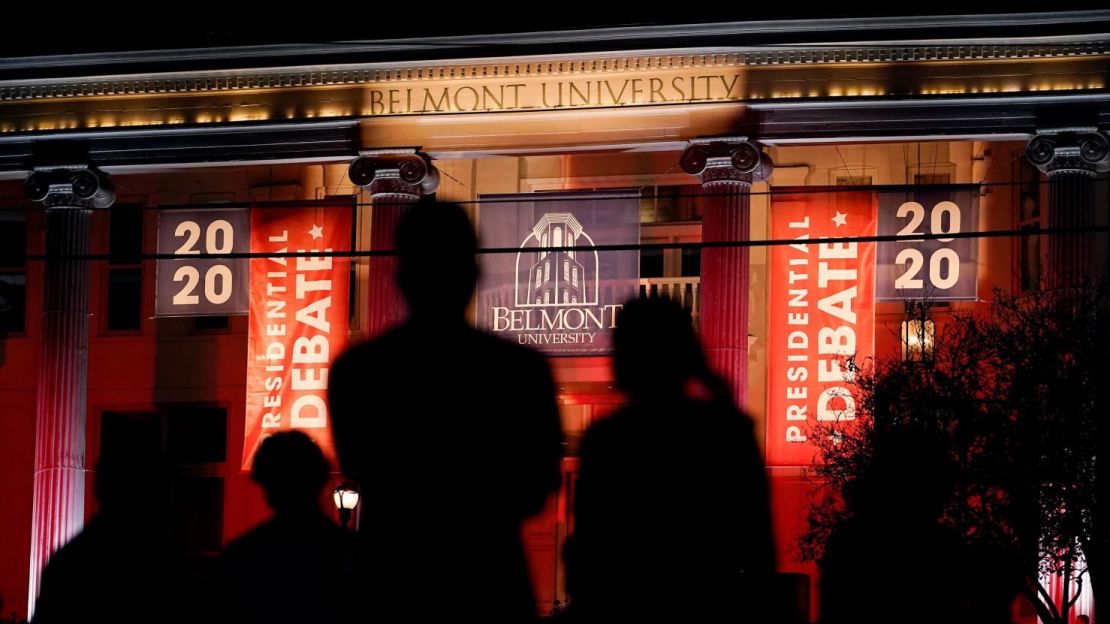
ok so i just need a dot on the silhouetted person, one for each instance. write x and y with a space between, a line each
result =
299 565
454 436
671 516
894 556
122 566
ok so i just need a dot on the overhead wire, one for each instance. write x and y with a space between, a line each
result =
10 204
585 196
371 253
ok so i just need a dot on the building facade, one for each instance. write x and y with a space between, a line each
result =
724 136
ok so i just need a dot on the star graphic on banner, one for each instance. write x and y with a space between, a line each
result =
316 231
840 219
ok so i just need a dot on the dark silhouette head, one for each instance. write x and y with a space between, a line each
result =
655 350
438 269
133 476
292 470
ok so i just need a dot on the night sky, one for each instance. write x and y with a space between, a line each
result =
28 29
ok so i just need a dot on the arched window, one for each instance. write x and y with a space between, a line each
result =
547 296
574 299
547 271
539 276
558 237
566 297
574 277
566 270
538 301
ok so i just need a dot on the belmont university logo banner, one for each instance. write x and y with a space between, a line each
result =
298 320
543 295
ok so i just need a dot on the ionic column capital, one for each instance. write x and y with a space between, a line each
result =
726 160
398 171
71 186
1074 150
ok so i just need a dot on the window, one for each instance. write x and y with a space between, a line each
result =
671 263
124 428
194 439
651 262
197 435
566 297
125 275
691 262
574 277
13 272
670 204
672 273
558 237
546 271
547 296
539 276
566 270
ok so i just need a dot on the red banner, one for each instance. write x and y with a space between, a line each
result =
298 321
822 317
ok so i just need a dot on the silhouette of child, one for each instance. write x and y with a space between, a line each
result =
299 565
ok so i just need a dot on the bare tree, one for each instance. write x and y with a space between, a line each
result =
1020 396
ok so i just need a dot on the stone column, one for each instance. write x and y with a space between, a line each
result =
69 195
727 167
1071 158
396 179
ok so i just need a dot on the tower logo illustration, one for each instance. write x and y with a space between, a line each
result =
560 287
547 276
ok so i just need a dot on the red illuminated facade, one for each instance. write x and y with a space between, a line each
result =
718 140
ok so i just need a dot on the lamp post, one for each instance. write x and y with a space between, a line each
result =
918 334
346 498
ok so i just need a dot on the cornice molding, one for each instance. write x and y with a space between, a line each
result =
215 144
282 78
143 148
817 31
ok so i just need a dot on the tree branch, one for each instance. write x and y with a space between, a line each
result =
1078 591
1046 611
